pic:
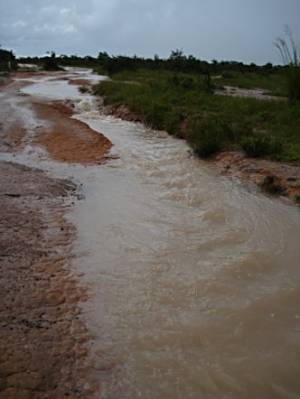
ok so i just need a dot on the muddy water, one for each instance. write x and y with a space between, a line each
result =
195 277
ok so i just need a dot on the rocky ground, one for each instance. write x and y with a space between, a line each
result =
44 344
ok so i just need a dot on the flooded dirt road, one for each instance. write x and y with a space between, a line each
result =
194 277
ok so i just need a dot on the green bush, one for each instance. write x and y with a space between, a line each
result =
210 122
228 75
8 61
206 135
51 63
155 115
83 89
291 57
293 81
260 145
173 122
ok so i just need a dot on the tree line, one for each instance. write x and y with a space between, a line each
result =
177 61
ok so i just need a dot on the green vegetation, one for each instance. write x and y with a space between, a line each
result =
176 62
177 94
262 145
294 83
183 104
7 61
51 63
84 89
273 83
290 56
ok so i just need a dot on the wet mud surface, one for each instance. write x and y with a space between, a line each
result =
67 139
275 178
44 344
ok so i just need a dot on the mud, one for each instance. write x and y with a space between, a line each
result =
273 177
79 82
67 139
122 112
43 343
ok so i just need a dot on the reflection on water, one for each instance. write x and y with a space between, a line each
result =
195 279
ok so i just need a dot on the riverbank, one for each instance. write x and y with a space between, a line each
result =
44 343
259 138
273 177
172 262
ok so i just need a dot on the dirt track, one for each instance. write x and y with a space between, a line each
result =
43 341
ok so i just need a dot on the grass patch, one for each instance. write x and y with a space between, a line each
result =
184 106
83 89
273 83
206 135
261 145
293 81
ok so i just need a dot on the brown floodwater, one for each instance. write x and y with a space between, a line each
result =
194 277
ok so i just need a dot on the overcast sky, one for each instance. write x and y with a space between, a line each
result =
209 29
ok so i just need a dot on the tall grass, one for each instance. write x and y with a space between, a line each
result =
290 55
181 105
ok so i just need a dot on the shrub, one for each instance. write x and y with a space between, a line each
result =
7 60
173 121
51 63
186 83
261 145
208 85
228 75
293 81
207 136
290 56
155 114
83 89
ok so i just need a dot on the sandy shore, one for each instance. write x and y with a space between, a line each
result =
44 344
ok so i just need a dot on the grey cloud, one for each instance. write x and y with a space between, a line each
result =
221 29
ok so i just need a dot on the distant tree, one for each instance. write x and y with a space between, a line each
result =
51 63
8 60
103 56
177 55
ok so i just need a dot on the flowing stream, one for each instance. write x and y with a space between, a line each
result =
194 277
